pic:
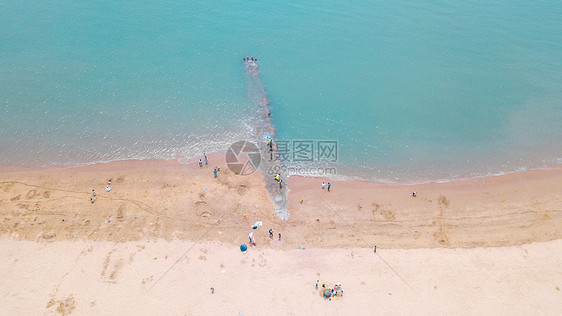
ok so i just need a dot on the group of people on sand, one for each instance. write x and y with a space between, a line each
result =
217 168
336 291
206 160
93 197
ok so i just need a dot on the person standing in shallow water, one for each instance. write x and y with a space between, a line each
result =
206 159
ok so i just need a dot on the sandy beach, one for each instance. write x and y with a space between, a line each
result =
476 246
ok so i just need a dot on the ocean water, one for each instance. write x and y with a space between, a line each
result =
408 91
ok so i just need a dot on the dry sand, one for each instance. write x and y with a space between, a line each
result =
99 278
61 254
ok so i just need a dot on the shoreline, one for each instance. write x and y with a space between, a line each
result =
186 161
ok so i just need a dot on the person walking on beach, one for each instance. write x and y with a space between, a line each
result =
317 284
270 233
92 200
200 163
414 194
212 290
93 192
215 172
280 184
323 185
279 236
206 159
329 186
108 188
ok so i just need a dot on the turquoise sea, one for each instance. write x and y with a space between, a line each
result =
432 90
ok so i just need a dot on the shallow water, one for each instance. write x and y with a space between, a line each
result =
472 88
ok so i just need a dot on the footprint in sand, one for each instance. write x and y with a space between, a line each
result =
111 268
63 307
30 194
443 201
148 279
388 215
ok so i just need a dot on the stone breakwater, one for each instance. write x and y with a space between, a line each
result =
271 163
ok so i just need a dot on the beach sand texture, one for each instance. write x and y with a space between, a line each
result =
477 246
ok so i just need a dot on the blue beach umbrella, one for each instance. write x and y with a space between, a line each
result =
243 247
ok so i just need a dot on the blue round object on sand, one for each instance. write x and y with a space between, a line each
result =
243 247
